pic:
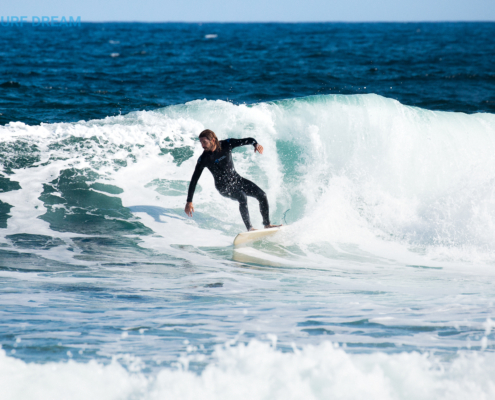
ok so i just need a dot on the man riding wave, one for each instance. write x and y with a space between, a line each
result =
217 157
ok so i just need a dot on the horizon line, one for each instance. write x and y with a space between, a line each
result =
294 22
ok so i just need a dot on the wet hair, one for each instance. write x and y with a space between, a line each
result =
210 135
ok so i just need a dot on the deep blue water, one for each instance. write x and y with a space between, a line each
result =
68 74
107 289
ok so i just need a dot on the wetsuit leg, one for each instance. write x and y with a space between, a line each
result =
236 193
253 190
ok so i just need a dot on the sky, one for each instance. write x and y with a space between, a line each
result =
254 10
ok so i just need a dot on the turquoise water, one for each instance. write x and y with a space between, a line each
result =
380 287
388 251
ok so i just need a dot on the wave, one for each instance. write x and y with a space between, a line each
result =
259 371
360 170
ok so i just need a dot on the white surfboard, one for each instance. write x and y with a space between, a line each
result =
252 236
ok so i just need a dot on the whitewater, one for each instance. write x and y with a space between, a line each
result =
379 287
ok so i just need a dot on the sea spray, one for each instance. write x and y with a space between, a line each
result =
258 371
352 169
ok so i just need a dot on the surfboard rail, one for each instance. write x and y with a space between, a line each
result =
252 236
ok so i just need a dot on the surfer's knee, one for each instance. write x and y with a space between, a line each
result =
242 198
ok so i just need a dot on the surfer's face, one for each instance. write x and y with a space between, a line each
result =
206 144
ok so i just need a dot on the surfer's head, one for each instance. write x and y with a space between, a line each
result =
209 140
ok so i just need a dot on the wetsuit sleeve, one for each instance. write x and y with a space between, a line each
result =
200 166
233 143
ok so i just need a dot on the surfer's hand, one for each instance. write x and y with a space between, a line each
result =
189 209
258 148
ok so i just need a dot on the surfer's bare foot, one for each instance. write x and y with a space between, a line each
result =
272 226
252 229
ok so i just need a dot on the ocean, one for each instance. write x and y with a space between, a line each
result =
379 146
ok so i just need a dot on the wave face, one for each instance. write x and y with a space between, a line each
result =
351 169
372 168
388 251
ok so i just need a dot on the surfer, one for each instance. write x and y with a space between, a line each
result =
217 157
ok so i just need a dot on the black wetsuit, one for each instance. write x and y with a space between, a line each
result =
227 181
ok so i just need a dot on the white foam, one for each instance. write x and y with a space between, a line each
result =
258 371
362 170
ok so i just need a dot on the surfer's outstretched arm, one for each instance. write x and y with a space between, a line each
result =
233 143
192 187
